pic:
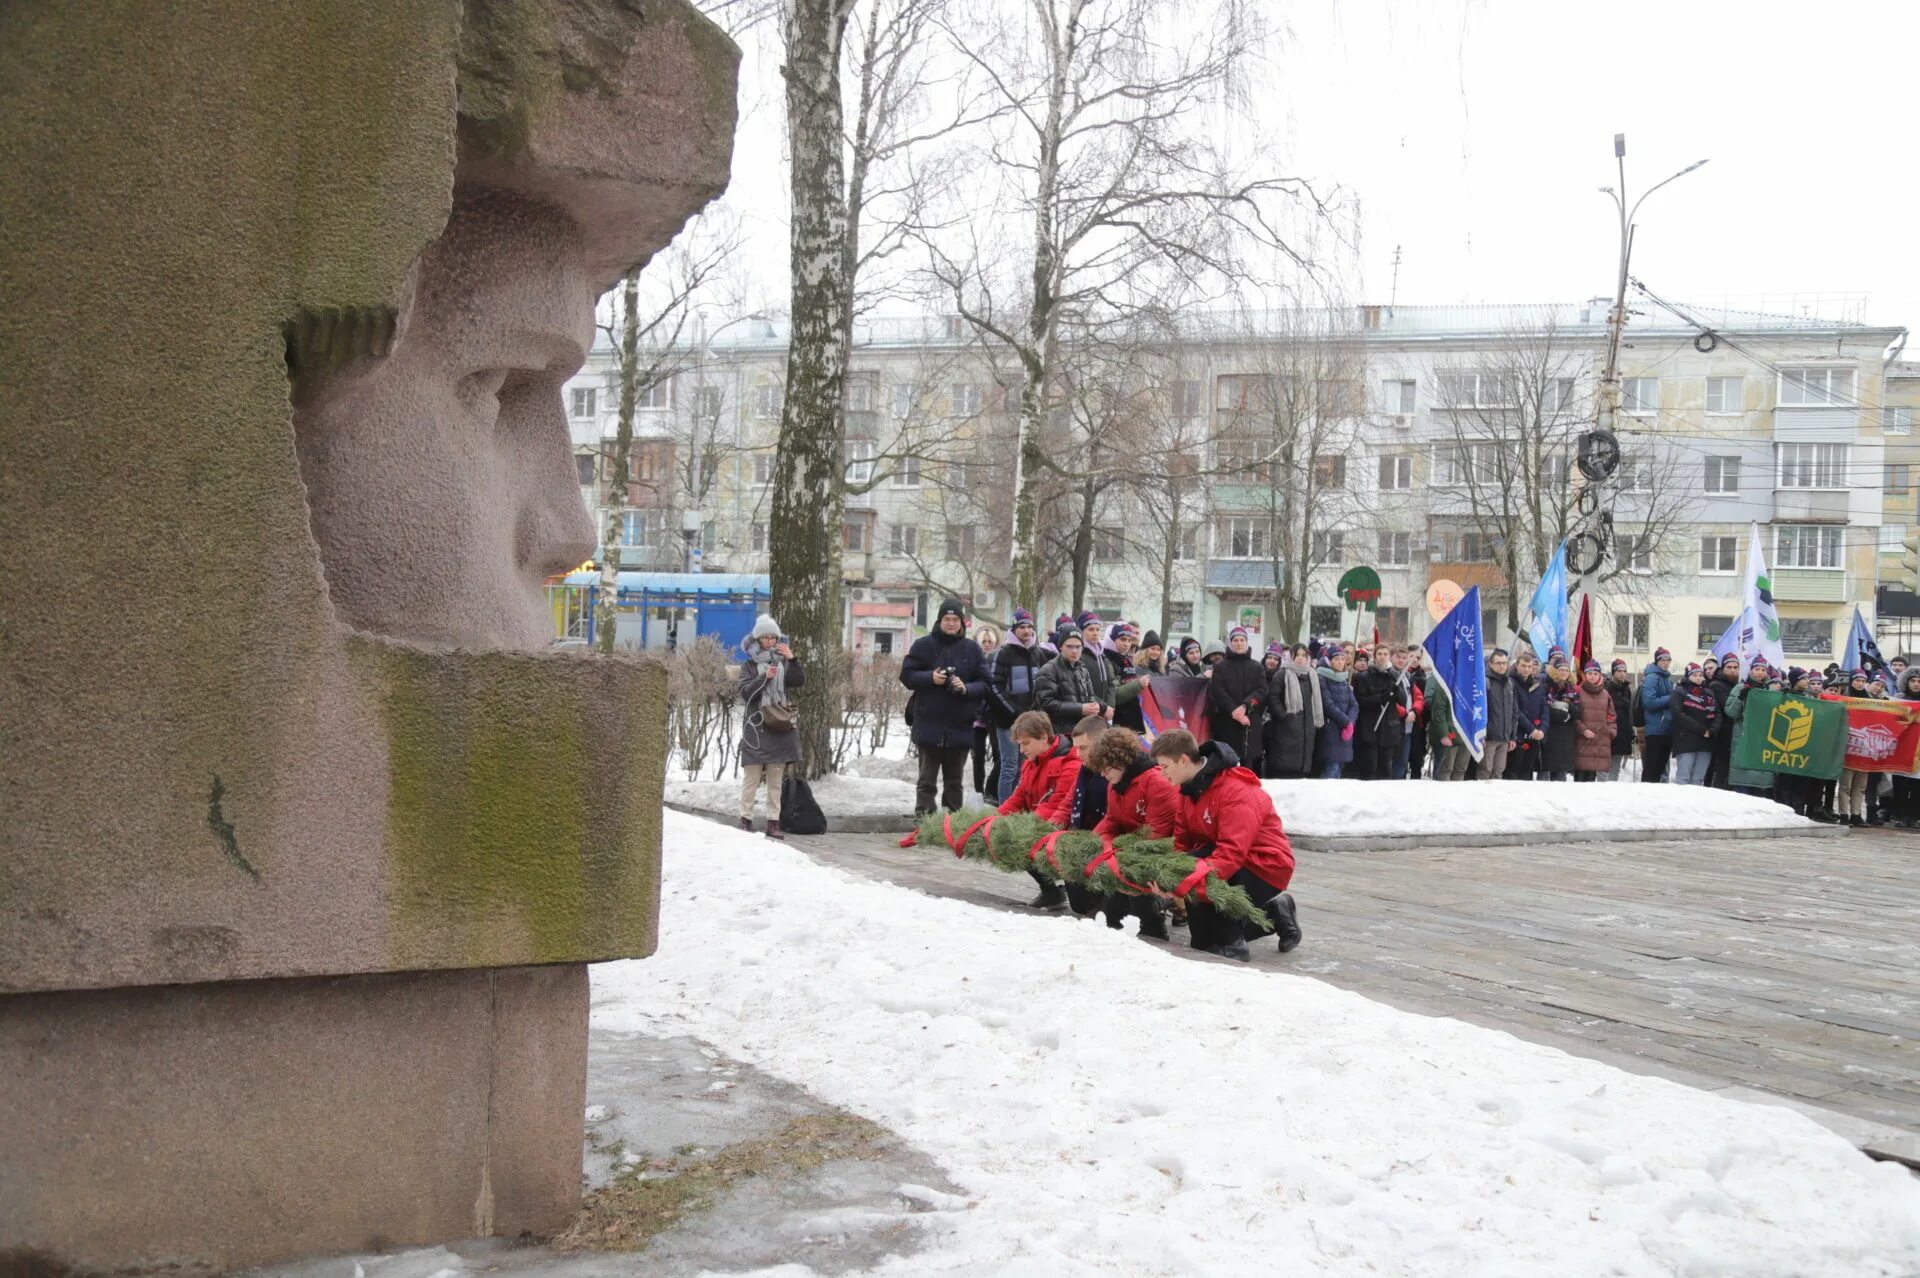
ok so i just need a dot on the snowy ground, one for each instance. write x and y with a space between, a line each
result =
1106 1107
1329 808
838 796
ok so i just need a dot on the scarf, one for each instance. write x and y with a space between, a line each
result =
768 666
1290 694
1338 676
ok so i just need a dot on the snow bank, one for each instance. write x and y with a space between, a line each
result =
838 796
1110 1108
1328 808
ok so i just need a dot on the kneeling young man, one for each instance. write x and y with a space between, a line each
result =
1140 800
1089 807
1048 778
1228 823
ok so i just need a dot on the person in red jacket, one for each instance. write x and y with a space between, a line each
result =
1047 776
1140 800
1228 824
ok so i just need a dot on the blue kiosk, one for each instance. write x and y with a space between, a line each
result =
659 609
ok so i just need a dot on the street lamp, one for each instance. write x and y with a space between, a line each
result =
690 525
1617 319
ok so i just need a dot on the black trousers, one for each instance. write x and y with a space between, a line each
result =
986 760
1207 929
1654 758
941 765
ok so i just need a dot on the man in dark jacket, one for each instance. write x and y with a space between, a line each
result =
1503 718
1620 687
1066 689
947 675
1010 690
1384 700
1656 708
1721 685
1123 677
1528 759
1235 696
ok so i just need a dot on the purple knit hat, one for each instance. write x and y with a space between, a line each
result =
1239 631
1592 667
1086 619
1276 649
1556 656
1021 617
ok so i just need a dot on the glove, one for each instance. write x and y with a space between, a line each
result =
1346 733
1447 740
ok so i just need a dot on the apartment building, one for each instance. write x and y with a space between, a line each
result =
1434 444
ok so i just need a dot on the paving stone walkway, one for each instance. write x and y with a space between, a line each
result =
1783 966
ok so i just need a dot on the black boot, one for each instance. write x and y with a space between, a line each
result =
1234 950
1153 922
1286 920
1857 822
1052 897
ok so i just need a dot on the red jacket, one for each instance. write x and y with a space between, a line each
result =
1046 784
1144 801
1233 814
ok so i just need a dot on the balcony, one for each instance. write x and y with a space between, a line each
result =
1811 505
1809 585
856 566
1242 574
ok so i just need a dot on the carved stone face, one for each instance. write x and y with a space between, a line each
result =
440 479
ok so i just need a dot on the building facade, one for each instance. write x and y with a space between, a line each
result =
1232 473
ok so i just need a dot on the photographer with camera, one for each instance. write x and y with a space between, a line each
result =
947 674
768 742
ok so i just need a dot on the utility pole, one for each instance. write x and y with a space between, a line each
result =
1393 293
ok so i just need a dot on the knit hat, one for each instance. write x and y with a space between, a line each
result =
1619 663
1021 617
1556 656
1794 675
1086 619
764 627
1068 635
1120 628
1661 654
1238 632
1693 668
1152 640
1276 649
1188 642
953 606
1214 648
1852 674
1331 650
1592 667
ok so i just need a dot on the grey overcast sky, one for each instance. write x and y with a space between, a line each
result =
1475 135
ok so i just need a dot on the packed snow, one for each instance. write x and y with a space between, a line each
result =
1328 808
838 796
1107 1107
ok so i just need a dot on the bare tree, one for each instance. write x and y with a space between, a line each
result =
1106 125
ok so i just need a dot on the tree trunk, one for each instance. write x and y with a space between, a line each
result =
606 608
805 560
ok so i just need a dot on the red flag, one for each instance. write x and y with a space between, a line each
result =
1583 636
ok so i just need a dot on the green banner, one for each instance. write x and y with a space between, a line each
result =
1797 736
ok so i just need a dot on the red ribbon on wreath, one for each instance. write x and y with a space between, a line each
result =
983 827
1196 882
1045 844
1110 857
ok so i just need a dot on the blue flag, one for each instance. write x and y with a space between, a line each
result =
1458 660
1547 629
1862 652
1729 643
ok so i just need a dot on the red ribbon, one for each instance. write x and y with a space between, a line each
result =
1110 857
1045 844
983 827
1196 882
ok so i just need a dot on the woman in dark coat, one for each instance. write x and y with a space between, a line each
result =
1620 688
1343 709
1696 717
1562 735
1721 684
1236 694
1294 717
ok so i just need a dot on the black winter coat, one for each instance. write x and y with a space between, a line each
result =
1379 690
1696 717
1239 680
1011 688
1289 738
1563 734
1622 694
942 718
1062 690
1126 710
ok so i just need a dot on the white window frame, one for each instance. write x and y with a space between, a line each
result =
1828 541
1817 467
763 461
1395 472
1722 385
757 539
903 540
963 399
1635 551
583 403
1395 549
1638 631
1640 396
656 396
1399 395
959 474
1896 420
1189 399
1254 531
1721 549
1561 394
1727 480
1186 547
1179 618
906 472
1893 538
706 403
859 454
766 401
1480 387
1327 548
1108 544
1335 477
861 388
904 396
1635 474
1823 387
968 536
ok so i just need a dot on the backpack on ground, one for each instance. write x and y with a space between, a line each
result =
799 812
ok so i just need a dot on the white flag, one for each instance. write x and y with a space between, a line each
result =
1760 636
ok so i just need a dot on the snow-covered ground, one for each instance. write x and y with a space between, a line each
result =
1327 808
1107 1107
838 796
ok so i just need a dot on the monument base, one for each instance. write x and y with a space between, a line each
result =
246 1122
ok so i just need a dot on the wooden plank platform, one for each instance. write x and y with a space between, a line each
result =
1779 967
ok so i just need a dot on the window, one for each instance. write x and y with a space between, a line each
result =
1186 547
1813 466
903 397
1396 472
1815 387
1473 390
757 539
1630 631
643 464
1556 470
1895 478
1109 545
906 472
1806 546
706 403
1179 618
1476 548
1635 550
584 400
1244 537
955 326
903 541
1723 474
1324 621
1896 421
860 392
1337 397
1396 550
1717 555
1893 538
1392 624
1557 397
762 469
656 395
1327 548
959 474
856 535
1238 451
1396 395
709 539
1330 471
1806 635
963 399
1482 464
1640 396
1723 395
1635 474
1711 628
1242 391
584 463
859 454
1186 403
642 527
962 542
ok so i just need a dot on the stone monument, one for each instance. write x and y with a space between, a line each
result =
304 840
